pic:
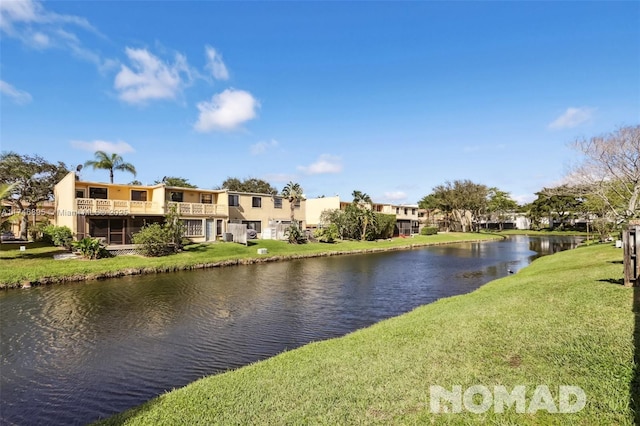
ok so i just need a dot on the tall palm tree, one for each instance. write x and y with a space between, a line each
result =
362 200
292 192
111 162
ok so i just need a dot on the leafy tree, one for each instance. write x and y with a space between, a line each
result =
463 200
160 240
430 205
30 180
294 193
111 162
135 182
253 185
499 204
175 181
362 203
610 170
558 204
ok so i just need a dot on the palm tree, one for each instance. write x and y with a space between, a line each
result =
363 201
5 192
292 192
111 162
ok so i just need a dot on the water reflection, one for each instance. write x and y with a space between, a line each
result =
75 353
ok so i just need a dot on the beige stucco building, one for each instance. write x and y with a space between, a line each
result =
264 212
114 212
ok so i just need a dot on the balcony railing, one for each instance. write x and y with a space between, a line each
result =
197 209
116 207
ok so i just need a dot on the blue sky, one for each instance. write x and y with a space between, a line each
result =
390 98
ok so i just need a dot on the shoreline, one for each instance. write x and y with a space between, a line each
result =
132 271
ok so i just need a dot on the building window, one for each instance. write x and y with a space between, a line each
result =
138 195
206 198
413 211
296 204
176 197
406 211
277 203
98 193
256 201
193 228
234 200
397 210
253 224
79 193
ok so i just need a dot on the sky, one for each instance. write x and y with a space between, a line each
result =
389 98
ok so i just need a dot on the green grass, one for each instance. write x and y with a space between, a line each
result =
37 265
564 320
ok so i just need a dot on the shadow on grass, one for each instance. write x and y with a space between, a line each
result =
618 281
617 262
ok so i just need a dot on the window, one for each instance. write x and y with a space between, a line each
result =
99 193
253 224
296 204
138 195
277 203
413 211
256 201
406 211
176 196
193 228
206 198
397 210
79 193
234 200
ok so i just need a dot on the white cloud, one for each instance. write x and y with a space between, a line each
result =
280 177
150 77
395 195
572 117
215 64
226 111
262 147
38 28
119 147
19 96
325 164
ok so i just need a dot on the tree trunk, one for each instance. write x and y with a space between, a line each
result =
111 175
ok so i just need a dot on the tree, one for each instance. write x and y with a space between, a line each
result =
111 162
499 204
31 180
362 203
610 170
253 185
559 203
429 204
463 200
293 192
175 181
135 182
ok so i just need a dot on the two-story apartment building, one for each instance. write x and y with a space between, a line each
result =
407 216
263 212
114 212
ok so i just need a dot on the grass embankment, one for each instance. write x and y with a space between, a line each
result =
37 266
564 320
538 233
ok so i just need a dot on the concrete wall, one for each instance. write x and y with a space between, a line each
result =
315 207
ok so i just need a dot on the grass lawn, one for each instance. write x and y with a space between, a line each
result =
564 320
36 264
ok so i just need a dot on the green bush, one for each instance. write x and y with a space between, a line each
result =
60 236
328 234
385 224
295 235
91 248
154 240
429 230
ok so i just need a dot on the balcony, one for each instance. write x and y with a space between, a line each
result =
197 209
91 206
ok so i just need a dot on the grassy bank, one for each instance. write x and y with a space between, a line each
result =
564 320
538 233
37 266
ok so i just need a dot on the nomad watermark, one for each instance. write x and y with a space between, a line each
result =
479 399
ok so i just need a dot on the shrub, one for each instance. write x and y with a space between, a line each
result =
60 236
295 235
429 230
154 240
384 226
91 248
328 234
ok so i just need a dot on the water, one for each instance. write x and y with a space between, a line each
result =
72 354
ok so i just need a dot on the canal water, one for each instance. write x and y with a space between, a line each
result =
75 353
